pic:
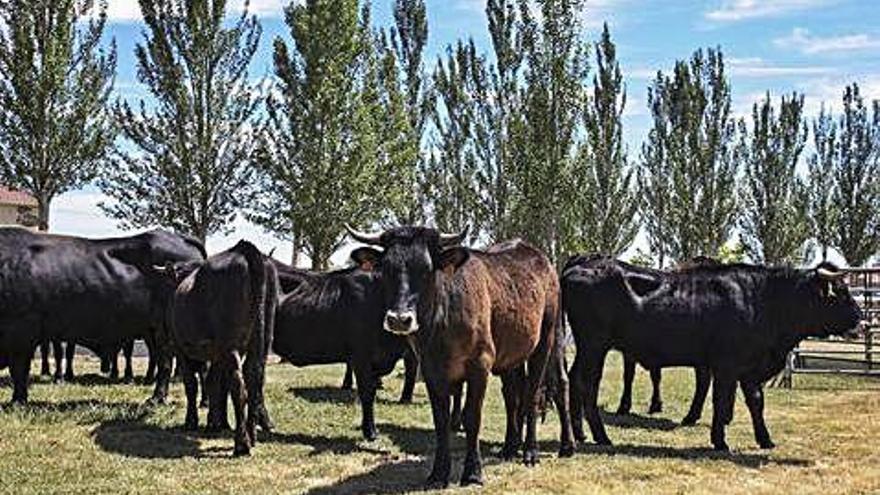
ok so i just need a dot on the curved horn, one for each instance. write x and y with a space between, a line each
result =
453 239
372 239
829 275
160 269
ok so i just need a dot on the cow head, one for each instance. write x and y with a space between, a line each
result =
410 260
830 308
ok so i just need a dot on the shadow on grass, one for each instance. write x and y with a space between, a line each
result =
633 420
324 394
388 478
753 461
134 437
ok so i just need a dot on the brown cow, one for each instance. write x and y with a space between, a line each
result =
472 313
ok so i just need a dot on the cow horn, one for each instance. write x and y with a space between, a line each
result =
829 275
160 268
453 239
373 239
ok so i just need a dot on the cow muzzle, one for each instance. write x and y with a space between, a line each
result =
401 322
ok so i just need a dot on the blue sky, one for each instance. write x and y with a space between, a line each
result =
811 46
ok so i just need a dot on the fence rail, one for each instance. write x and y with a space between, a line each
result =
848 357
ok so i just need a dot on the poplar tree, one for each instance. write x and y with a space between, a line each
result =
822 210
609 202
774 223
857 178
335 148
188 163
55 82
688 168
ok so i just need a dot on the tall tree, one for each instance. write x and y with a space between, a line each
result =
823 212
191 148
409 36
545 138
609 205
857 178
55 81
325 150
774 222
451 173
498 107
688 167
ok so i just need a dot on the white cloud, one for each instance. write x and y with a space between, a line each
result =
801 39
738 10
756 67
129 10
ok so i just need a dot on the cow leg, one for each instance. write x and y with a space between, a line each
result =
438 393
69 351
629 373
45 370
410 373
703 378
595 365
150 375
113 358
202 375
348 380
722 409
512 384
455 415
366 389
163 375
577 374
239 401
127 351
656 401
754 396
58 354
536 372
20 370
105 363
191 388
217 387
560 382
472 474
254 384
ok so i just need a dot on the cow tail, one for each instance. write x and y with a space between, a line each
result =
257 276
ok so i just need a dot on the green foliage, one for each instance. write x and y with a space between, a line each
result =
337 146
856 173
774 225
545 134
55 81
823 212
192 146
608 204
688 168
732 252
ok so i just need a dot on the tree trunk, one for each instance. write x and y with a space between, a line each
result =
297 247
43 202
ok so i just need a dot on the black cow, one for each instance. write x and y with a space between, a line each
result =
336 317
740 321
643 279
223 312
83 290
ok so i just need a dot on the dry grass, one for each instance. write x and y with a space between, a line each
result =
94 437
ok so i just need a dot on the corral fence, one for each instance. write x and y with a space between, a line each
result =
858 356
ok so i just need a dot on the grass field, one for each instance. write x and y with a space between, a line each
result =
95 437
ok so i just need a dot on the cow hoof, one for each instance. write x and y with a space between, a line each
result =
266 424
623 410
370 435
604 442
721 447
128 380
767 444
566 450
530 457
580 437
655 408
436 482
68 377
57 379
405 400
241 451
690 420
472 479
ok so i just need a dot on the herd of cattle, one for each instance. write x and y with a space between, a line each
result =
460 314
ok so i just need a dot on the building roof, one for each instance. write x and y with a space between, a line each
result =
16 198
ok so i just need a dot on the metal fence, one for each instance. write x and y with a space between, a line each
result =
859 356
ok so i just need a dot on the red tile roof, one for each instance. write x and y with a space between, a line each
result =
16 198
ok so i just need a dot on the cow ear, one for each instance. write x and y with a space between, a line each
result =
452 258
366 258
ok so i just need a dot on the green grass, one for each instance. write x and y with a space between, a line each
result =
95 437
